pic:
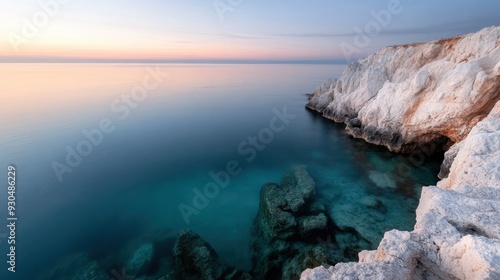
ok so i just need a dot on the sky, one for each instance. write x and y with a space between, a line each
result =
323 31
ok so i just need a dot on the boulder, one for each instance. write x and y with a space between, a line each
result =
290 226
298 188
276 222
195 259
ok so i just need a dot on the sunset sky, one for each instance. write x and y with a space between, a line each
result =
131 30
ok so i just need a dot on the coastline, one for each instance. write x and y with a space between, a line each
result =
404 97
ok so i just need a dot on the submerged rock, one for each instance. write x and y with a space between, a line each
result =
382 180
309 256
141 260
77 267
310 227
195 259
281 224
289 228
298 188
146 257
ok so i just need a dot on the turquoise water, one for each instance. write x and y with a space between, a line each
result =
195 121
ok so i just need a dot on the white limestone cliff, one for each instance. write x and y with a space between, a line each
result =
457 232
405 96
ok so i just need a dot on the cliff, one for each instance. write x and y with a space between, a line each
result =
403 97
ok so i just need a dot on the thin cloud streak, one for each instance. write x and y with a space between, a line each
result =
461 27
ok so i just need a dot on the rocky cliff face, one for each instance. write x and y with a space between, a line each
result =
407 95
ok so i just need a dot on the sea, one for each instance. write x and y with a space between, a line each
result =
105 154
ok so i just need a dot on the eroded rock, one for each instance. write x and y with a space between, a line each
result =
404 96
457 233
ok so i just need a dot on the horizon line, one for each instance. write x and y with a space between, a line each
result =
172 61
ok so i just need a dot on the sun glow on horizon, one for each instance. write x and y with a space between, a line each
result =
90 40
173 30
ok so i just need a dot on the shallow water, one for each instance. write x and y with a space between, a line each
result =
192 123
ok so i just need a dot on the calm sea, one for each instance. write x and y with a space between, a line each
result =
106 153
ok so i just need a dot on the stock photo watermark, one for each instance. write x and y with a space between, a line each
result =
121 108
248 149
222 7
364 35
31 27
11 218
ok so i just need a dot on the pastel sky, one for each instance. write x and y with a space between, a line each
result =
257 30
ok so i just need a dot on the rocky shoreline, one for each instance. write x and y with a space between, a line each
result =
404 97
444 93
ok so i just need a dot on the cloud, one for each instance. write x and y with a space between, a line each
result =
228 35
445 28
